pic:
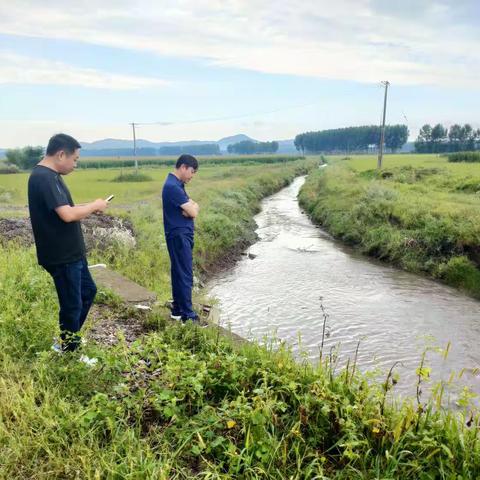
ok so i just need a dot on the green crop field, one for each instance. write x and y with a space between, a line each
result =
128 162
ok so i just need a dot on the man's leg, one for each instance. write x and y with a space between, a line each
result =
67 279
88 292
182 273
173 279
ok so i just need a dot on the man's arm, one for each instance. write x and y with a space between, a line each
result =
190 209
78 212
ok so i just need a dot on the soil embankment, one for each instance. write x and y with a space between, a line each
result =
99 231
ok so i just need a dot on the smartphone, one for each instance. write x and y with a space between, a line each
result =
109 198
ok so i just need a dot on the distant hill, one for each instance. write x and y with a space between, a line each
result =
226 141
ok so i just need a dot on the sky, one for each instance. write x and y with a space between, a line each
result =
197 69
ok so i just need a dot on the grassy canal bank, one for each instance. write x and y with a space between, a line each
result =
420 213
183 402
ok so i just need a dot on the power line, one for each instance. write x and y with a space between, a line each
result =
230 117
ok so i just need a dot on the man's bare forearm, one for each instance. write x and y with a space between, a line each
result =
78 212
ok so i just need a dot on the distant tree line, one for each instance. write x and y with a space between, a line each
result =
248 147
351 139
202 149
24 158
439 139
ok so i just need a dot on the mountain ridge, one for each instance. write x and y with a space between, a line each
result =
107 143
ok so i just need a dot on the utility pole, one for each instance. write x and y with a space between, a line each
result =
134 147
382 135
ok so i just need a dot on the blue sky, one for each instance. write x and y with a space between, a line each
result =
267 69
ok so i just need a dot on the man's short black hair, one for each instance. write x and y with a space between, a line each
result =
188 160
64 142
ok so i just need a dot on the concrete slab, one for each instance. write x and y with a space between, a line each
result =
127 290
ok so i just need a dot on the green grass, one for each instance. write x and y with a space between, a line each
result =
420 212
185 402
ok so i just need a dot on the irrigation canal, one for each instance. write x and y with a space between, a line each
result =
277 291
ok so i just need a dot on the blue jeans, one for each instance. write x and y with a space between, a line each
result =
76 291
180 248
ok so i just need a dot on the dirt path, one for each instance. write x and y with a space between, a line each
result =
107 324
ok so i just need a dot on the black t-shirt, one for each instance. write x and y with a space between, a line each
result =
57 241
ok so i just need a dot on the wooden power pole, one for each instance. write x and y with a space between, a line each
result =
382 134
134 147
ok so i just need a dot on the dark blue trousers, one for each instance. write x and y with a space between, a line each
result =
180 247
76 291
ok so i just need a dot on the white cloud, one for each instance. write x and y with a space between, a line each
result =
19 69
420 42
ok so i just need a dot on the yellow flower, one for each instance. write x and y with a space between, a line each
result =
231 423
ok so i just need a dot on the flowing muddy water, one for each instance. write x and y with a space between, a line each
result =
295 266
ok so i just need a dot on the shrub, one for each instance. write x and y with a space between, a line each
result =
461 272
6 169
132 177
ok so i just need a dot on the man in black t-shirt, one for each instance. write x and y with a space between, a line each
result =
58 235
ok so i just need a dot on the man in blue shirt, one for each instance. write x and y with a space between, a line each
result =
179 212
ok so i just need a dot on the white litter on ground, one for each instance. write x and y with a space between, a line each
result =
142 307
